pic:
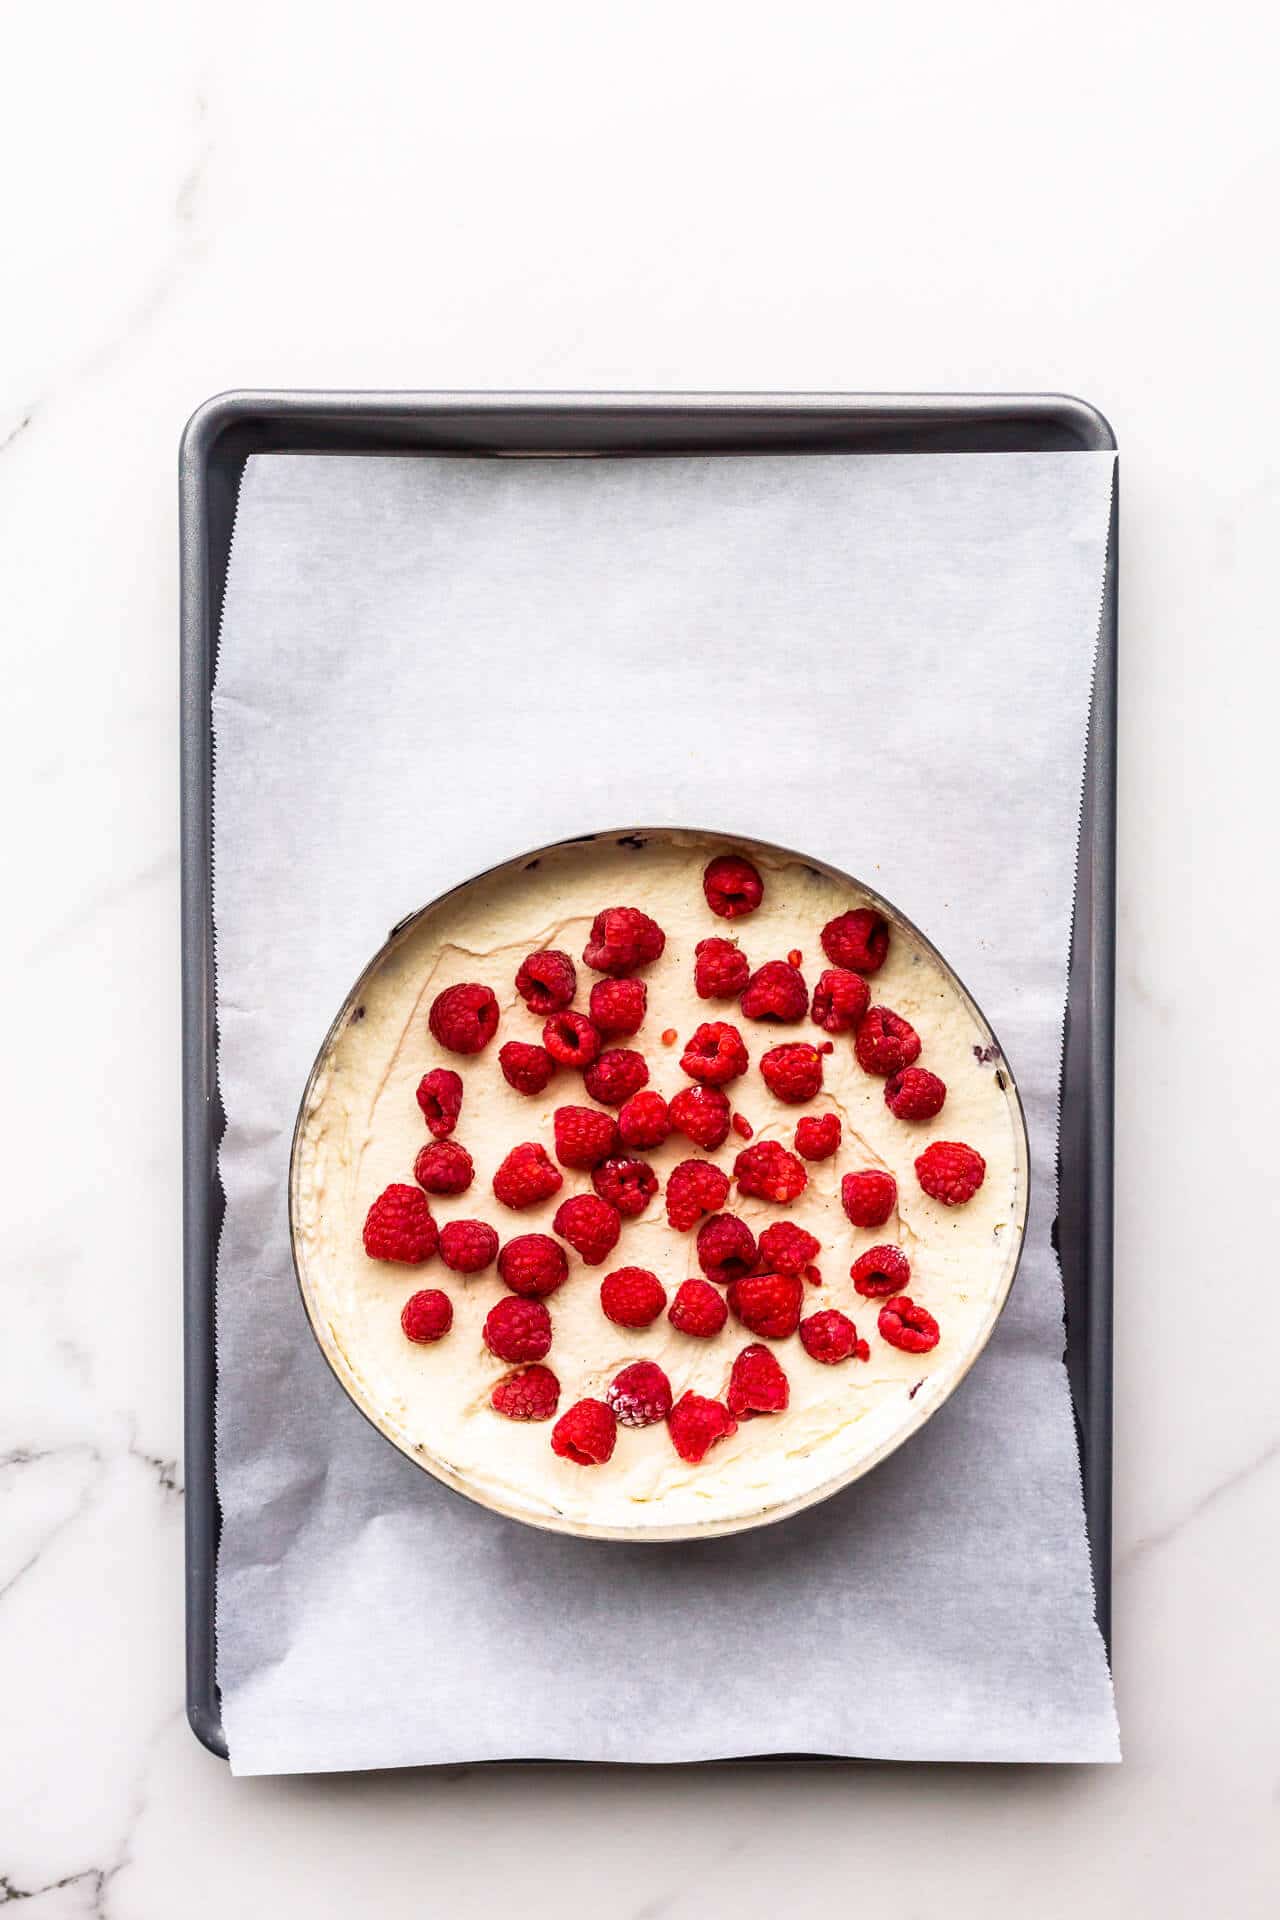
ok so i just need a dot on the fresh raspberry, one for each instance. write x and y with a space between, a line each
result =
775 991
818 1136
859 940
787 1248
632 1297
868 1196
616 1075
792 1073
644 1120
698 1309
694 1187
617 1007
757 1384
733 886
517 1329
626 1183
468 1246
696 1423
622 939
571 1040
524 1067
398 1226
726 1248
914 1094
440 1097
830 1337
839 1000
720 969
586 1434
715 1055
464 1018
880 1271
427 1316
526 1176
584 1136
903 1324
533 1265
530 1393
640 1395
768 1303
885 1042
444 1167
590 1225
701 1114
768 1172
547 980
950 1172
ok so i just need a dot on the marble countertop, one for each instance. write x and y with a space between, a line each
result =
568 197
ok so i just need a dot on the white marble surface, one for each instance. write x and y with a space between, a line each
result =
574 196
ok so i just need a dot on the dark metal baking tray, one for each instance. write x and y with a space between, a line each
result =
218 440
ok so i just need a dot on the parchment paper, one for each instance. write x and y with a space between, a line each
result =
884 661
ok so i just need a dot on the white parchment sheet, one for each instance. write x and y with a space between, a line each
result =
430 664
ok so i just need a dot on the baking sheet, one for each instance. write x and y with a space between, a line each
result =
906 645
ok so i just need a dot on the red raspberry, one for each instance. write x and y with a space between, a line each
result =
632 1297
859 940
818 1136
547 980
839 1000
696 1424
444 1167
616 1075
698 1309
398 1226
584 1136
516 1329
880 1271
701 1114
775 991
950 1172
869 1196
914 1094
757 1384
622 939
830 1337
768 1303
627 1184
733 886
715 1054
531 1393
464 1018
526 1176
694 1187
586 1434
571 1040
525 1068
643 1120
726 1248
787 1248
792 1073
885 1042
618 1006
427 1316
590 1225
720 969
440 1097
903 1324
468 1246
533 1265
640 1395
768 1172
